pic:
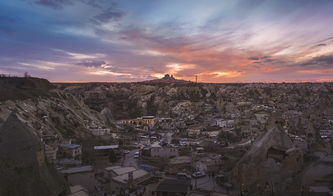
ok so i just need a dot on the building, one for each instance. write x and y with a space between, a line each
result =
145 122
148 121
113 171
50 153
72 151
165 123
105 150
78 190
83 176
157 151
172 187
128 181
319 191
100 132
224 123
326 133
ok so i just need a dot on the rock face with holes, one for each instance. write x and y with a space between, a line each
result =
30 110
23 168
272 161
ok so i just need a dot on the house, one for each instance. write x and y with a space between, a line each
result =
145 140
145 122
172 187
66 163
224 123
148 121
50 153
165 123
277 153
83 176
78 190
131 180
319 191
212 134
157 151
72 151
328 160
105 150
194 131
113 171
326 133
100 132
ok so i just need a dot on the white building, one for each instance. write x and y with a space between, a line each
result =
131 179
100 132
163 152
225 123
113 171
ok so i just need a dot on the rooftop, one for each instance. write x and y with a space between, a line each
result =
173 186
106 147
77 170
120 170
136 175
72 146
77 188
320 189
328 159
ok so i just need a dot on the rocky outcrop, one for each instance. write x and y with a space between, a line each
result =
271 162
14 88
23 168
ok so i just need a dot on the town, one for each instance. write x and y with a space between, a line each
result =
242 139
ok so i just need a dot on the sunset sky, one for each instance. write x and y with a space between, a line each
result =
135 40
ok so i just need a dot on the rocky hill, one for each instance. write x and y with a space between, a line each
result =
14 88
23 168
272 160
31 109
167 79
130 100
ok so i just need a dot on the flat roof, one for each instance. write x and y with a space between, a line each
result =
106 147
328 159
77 188
74 170
148 117
112 167
173 186
120 170
69 145
136 174
79 193
320 189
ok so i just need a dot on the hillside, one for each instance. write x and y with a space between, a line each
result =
23 168
19 88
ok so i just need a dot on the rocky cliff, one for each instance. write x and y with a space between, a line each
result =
23 168
31 109
269 165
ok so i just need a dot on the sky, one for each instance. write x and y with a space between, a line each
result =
137 40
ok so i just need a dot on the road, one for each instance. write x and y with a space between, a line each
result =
129 160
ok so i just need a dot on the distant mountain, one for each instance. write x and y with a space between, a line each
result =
166 79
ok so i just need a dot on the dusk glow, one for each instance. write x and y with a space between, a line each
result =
126 40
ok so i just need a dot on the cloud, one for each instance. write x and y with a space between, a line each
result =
325 61
53 3
110 14
92 63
